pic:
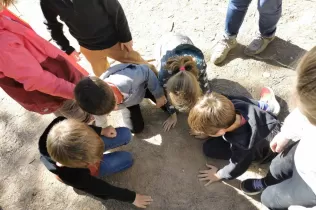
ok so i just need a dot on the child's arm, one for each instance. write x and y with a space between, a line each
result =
238 164
151 79
55 27
99 188
116 12
25 69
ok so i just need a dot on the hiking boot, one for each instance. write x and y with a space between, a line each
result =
258 45
222 49
271 105
252 186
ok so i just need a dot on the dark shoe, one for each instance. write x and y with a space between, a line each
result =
252 186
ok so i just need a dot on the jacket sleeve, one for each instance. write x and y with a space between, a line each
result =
238 163
117 15
17 63
152 81
99 188
293 125
55 27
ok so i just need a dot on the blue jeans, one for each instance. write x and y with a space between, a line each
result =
116 161
269 15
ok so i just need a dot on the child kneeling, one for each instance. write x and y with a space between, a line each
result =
74 152
241 130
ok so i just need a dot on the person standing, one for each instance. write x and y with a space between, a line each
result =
33 72
269 15
100 27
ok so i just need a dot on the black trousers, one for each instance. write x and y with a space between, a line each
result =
136 114
285 185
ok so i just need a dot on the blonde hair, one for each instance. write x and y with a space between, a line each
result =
306 85
6 3
212 113
183 88
74 144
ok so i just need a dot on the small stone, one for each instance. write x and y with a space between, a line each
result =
266 74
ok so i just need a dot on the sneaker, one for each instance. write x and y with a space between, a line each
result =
258 45
222 49
252 186
267 97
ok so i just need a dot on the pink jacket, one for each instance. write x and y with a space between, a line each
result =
33 72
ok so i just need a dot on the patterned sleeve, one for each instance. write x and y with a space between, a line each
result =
203 80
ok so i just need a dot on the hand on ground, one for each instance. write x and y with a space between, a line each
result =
209 175
109 132
161 101
170 122
142 201
75 56
278 143
127 45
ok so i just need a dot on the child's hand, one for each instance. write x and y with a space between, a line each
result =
161 101
198 135
109 132
209 175
127 45
278 143
170 122
142 201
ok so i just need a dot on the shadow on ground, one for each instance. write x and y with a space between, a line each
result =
279 53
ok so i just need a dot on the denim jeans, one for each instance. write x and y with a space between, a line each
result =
269 15
116 161
285 185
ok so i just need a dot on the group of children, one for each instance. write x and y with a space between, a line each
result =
237 129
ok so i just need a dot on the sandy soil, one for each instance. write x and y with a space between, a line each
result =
166 164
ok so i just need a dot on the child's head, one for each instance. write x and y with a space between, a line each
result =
74 144
95 96
212 115
183 88
306 85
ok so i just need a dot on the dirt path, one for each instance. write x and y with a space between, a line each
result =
166 164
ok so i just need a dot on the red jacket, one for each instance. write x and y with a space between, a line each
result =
33 72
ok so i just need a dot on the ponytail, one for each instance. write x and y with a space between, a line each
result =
183 87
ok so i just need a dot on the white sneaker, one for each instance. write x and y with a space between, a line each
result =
267 95
222 49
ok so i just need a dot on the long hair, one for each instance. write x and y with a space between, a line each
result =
306 85
6 3
183 87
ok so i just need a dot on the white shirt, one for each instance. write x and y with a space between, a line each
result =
297 127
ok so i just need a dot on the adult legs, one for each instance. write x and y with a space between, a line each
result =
270 12
236 12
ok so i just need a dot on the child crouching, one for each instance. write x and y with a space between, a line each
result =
74 152
122 86
240 131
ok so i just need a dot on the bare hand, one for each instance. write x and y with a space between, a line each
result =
170 122
209 175
75 56
109 132
161 101
127 45
278 143
198 135
142 201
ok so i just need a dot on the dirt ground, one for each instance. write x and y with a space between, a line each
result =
166 164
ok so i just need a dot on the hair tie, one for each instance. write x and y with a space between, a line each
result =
182 68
